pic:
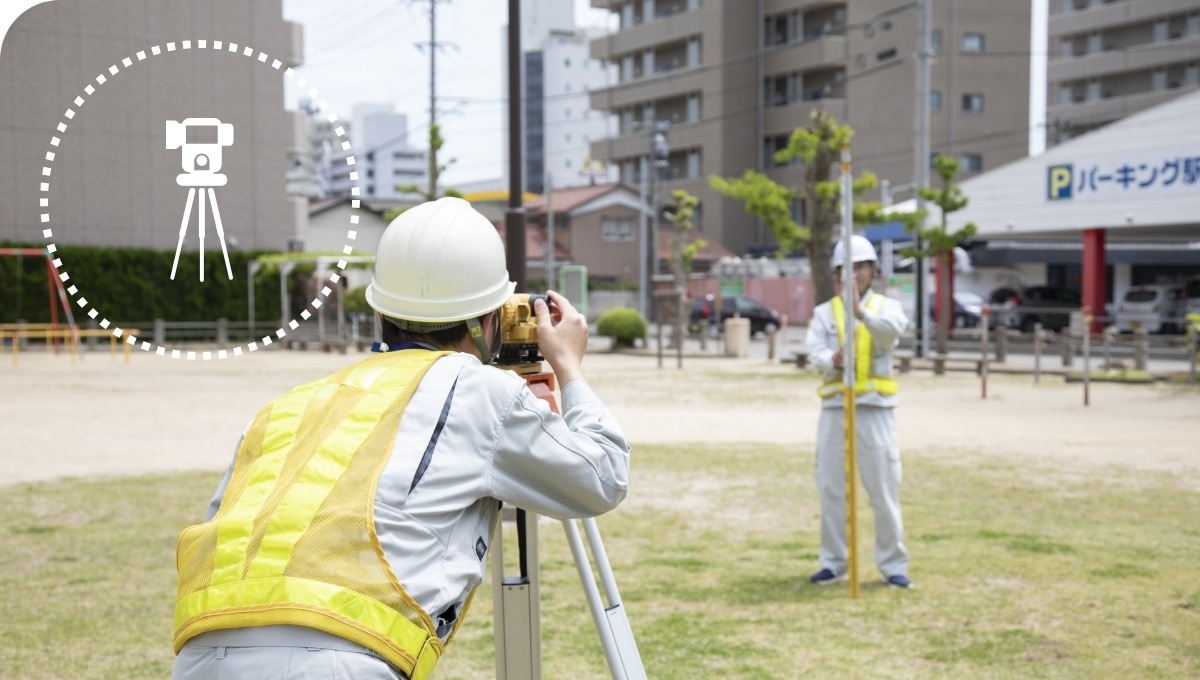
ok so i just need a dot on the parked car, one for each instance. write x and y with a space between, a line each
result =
1191 297
763 319
1158 309
968 308
1024 307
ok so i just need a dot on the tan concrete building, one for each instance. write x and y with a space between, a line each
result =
734 78
86 91
1111 58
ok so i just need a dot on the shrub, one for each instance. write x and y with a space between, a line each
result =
354 301
623 325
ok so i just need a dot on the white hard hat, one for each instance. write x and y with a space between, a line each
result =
440 261
861 250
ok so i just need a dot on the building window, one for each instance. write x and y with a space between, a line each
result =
971 162
567 87
972 42
566 113
972 102
567 163
617 230
935 101
567 62
935 40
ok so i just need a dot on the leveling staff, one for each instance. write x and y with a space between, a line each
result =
351 530
880 322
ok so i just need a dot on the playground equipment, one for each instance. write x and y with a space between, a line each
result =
54 288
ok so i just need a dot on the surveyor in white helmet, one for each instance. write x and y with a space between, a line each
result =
880 322
351 530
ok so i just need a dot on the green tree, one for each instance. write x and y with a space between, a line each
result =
819 148
436 142
683 251
938 242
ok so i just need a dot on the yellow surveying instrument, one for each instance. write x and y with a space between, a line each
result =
516 598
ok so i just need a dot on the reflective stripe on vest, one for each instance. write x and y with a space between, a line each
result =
864 380
294 539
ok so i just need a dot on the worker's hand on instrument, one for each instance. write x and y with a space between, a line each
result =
837 358
562 336
858 310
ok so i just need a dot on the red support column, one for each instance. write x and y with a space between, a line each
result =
1094 282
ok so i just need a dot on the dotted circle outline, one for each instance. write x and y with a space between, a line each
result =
44 201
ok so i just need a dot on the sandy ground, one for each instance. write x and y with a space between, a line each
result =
105 417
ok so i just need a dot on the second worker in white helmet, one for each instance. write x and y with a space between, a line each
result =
351 530
881 320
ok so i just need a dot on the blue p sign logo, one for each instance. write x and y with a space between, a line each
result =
1059 182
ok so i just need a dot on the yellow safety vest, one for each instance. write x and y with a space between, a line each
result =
294 539
864 380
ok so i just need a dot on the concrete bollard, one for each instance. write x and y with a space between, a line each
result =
771 345
1141 347
1001 344
160 332
1068 351
737 337
222 331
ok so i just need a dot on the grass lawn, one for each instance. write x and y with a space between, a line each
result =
1021 573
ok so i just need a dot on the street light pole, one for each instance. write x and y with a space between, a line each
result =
660 152
921 164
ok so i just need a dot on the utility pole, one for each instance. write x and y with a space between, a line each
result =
548 262
921 164
514 217
433 134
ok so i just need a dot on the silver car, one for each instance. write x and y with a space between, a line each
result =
1158 309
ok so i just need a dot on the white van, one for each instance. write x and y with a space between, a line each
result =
1158 309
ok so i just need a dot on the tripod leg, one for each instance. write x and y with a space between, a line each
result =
187 213
212 200
616 638
516 612
202 236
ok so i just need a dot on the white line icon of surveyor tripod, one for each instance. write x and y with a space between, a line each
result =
201 140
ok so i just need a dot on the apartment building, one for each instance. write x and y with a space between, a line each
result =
730 80
1111 58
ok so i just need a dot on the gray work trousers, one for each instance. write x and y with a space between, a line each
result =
278 653
879 468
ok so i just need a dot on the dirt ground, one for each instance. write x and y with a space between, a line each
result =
104 417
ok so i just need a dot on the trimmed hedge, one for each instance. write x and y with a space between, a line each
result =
133 284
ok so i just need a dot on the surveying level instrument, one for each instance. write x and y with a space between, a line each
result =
516 599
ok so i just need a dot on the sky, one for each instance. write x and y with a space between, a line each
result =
367 51
359 51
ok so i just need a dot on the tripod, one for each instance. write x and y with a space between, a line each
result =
204 183
516 599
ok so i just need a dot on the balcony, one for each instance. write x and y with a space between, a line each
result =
1101 17
827 50
654 88
1139 58
783 120
668 29
1107 110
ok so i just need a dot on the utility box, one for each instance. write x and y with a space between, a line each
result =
737 337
